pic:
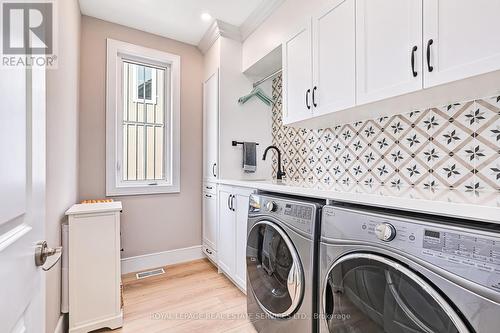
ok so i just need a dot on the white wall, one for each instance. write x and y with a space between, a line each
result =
248 122
277 27
62 142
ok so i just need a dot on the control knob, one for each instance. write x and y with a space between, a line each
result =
385 232
271 206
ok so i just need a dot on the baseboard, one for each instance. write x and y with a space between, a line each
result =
61 326
153 260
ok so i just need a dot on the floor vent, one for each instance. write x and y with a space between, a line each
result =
154 272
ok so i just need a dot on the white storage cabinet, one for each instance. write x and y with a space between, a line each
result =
355 52
211 127
94 267
232 235
209 217
319 69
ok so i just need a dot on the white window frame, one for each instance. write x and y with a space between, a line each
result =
117 51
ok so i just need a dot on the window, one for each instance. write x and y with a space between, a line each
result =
143 81
142 139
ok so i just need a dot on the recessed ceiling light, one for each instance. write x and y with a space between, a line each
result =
206 17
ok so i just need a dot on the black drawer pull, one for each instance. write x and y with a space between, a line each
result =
415 48
429 67
307 99
314 96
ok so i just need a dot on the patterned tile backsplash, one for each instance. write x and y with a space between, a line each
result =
451 147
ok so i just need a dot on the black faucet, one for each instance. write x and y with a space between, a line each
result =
280 174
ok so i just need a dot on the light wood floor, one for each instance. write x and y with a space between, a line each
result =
189 297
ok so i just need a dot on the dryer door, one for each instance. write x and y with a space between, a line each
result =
370 293
274 270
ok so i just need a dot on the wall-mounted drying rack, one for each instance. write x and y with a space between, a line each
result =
258 92
270 76
235 143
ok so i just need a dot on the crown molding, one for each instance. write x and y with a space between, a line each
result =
258 16
217 29
220 28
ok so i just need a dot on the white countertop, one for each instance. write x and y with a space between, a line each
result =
473 205
92 208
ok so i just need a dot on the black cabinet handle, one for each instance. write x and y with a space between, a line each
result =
232 203
208 195
314 96
429 67
229 201
307 99
208 251
415 48
213 169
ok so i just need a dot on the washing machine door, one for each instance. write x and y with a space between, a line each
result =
274 270
369 293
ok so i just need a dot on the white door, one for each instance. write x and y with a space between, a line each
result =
210 126
242 204
210 220
226 242
388 38
297 75
334 66
22 195
462 38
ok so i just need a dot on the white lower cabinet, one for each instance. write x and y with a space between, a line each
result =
227 232
94 267
209 203
232 235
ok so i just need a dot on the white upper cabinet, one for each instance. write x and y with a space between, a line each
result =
388 48
297 75
462 39
334 58
210 126
355 52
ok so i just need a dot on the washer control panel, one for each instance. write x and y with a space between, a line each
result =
299 215
468 253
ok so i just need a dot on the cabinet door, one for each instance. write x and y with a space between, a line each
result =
465 39
241 203
297 75
387 32
226 240
210 220
334 55
210 126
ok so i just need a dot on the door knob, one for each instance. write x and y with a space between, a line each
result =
43 251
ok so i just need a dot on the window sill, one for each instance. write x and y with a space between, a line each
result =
143 190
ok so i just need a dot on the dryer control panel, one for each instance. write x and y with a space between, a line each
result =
466 252
467 249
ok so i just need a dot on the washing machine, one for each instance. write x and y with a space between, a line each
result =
282 247
383 271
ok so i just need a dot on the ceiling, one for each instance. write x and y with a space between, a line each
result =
176 19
